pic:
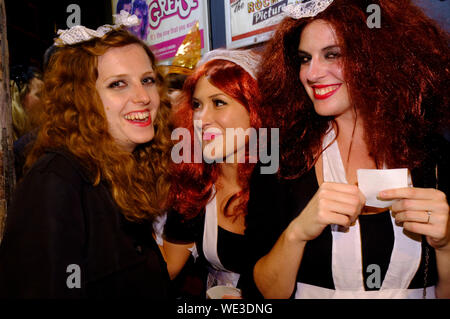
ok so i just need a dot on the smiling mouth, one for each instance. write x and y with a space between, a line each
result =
140 118
322 92
210 134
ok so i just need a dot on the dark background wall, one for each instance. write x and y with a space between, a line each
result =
32 25
217 22
439 10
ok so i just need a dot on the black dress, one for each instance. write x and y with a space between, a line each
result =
66 238
231 247
275 203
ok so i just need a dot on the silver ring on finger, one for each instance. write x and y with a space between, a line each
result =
428 216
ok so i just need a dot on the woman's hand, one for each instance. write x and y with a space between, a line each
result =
333 203
423 211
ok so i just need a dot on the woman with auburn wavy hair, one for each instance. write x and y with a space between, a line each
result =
348 97
209 197
80 224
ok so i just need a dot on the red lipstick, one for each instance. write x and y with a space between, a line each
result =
209 136
143 124
319 88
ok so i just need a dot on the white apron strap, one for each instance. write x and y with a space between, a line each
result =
346 249
405 258
305 291
210 235
347 255
217 274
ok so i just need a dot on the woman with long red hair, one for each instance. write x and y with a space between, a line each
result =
349 96
209 191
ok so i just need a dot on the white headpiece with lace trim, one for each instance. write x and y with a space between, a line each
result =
306 9
78 33
246 59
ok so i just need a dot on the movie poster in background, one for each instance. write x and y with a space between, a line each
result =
165 23
252 21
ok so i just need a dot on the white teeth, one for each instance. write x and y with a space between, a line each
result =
325 90
212 130
137 116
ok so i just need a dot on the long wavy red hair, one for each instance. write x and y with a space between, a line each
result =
398 79
74 120
192 183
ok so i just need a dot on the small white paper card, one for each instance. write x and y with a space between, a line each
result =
373 181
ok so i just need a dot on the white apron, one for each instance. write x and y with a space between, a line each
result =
217 274
347 256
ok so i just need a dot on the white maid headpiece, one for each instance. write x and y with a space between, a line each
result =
306 9
78 33
246 59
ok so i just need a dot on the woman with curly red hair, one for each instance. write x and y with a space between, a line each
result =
209 191
80 224
347 97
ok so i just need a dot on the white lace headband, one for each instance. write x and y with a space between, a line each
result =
306 9
246 59
78 33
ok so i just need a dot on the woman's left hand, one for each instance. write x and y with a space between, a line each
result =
423 211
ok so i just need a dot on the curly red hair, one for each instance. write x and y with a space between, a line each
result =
398 78
192 183
74 119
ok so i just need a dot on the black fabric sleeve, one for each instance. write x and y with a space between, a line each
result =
434 173
45 234
435 164
179 230
442 155
264 225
